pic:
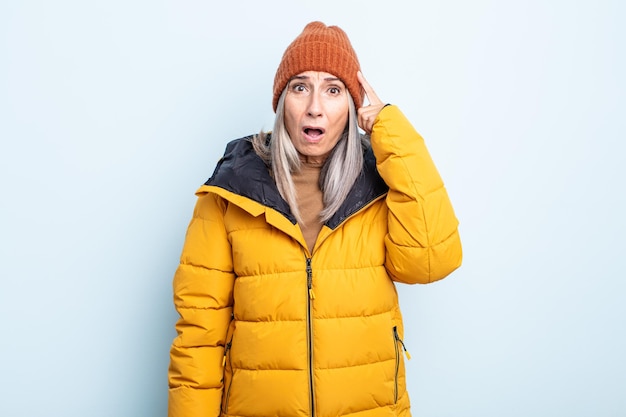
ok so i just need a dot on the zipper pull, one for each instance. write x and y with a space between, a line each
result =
309 278
226 349
406 352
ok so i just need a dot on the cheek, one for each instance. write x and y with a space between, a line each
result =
340 114
291 123
293 115
341 120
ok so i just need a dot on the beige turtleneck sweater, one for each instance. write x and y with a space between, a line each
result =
310 202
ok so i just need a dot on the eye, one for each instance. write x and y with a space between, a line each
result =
299 88
334 91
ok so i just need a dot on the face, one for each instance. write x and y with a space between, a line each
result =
316 112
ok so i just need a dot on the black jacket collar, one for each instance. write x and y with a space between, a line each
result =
243 172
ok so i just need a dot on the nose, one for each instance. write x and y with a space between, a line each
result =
314 108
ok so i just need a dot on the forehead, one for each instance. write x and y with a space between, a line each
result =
319 76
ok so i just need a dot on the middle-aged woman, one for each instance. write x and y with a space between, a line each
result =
285 288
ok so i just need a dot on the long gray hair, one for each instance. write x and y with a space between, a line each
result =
339 172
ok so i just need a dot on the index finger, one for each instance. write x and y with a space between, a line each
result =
372 97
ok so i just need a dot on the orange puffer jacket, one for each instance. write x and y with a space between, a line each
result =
267 328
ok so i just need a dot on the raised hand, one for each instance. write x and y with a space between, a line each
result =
367 114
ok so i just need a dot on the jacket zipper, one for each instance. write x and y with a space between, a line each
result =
230 384
397 340
309 319
395 375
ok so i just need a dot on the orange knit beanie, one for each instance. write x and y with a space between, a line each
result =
320 48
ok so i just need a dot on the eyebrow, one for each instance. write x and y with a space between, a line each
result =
306 77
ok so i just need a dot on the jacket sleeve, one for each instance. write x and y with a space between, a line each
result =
203 297
422 243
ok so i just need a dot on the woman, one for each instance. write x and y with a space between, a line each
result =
285 287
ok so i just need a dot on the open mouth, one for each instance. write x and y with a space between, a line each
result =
313 132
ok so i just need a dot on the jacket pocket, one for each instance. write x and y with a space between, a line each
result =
228 376
397 370
398 345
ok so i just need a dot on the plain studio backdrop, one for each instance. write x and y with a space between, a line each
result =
112 113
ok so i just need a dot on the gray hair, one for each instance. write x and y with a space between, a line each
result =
341 169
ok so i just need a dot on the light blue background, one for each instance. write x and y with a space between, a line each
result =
112 113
